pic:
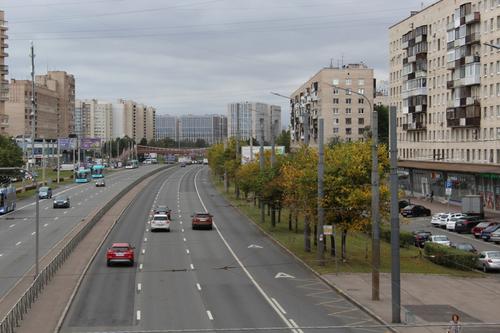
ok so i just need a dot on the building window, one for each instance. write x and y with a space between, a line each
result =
348 101
348 91
348 82
361 131
361 121
348 110
335 91
348 131
361 110
335 130
361 82
335 110
348 121
335 82
336 121
335 101
361 91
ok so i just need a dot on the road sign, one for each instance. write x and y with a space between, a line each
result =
282 275
448 183
448 191
327 230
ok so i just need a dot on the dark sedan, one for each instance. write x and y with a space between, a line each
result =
486 233
61 201
466 223
420 237
415 211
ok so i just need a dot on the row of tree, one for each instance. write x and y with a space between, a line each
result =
292 183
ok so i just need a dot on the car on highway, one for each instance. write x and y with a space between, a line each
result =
415 211
439 239
486 233
420 237
464 247
489 260
466 223
201 220
436 219
120 253
45 192
61 201
100 182
476 231
161 209
495 236
160 222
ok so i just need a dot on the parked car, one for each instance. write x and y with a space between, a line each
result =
452 222
44 192
464 247
466 223
420 237
403 203
495 236
120 253
415 211
486 233
445 219
61 201
489 260
201 220
162 210
436 219
476 231
439 239
183 164
100 182
160 222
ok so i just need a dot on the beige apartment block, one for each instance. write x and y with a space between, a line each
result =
18 109
150 123
4 70
255 120
134 120
346 114
445 84
64 84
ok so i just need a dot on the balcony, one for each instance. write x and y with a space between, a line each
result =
4 69
472 18
450 25
415 126
464 122
472 38
414 92
472 58
450 84
4 93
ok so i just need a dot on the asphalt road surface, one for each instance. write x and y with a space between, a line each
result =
17 229
231 278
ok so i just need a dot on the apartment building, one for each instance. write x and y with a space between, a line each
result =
445 83
4 70
255 119
134 120
210 128
18 110
166 127
331 94
64 84
82 119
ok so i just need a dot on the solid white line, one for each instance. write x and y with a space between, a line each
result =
296 326
138 316
56 218
11 226
140 267
278 305
18 243
255 283
187 251
143 251
192 266
198 286
209 314
139 287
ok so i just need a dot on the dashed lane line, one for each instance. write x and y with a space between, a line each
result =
209 314
18 243
12 226
191 266
198 286
278 305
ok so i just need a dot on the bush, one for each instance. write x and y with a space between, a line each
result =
450 257
406 238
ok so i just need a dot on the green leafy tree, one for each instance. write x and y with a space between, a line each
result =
284 140
11 155
383 123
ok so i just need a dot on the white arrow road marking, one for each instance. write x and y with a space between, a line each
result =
56 218
281 275
33 233
253 246
46 224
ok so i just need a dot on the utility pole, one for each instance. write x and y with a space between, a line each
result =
43 161
58 161
33 129
273 153
395 255
226 185
375 208
236 187
261 164
321 210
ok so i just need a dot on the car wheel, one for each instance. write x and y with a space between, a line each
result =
108 263
193 227
210 227
485 269
132 262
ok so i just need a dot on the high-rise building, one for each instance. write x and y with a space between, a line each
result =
18 109
82 119
210 128
445 84
64 84
166 127
346 114
4 84
134 120
255 119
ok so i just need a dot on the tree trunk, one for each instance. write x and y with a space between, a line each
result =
307 235
279 213
237 191
344 245
290 220
273 215
315 233
296 222
268 210
333 250
254 200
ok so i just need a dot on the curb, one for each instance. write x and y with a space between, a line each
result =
312 270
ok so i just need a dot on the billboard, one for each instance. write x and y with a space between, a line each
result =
247 151
90 143
66 143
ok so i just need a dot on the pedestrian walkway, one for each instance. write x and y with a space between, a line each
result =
428 300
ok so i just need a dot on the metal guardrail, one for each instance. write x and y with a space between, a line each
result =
17 312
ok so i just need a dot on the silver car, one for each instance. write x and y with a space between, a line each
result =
489 260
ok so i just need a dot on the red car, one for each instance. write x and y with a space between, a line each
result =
201 220
120 253
476 231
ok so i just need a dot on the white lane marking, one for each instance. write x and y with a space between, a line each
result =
140 267
12 226
209 314
1 254
180 215
255 283
278 305
143 251
187 251
180 222
79 204
296 326
198 286
147 230
182 230
25 219
33 233
56 218
145 239
46 208
184 239
138 315
139 287
65 212
46 224
192 266
18 243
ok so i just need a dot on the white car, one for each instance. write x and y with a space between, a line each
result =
439 239
489 260
495 236
160 222
450 225
443 220
436 219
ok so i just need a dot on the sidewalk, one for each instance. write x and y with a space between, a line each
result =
428 299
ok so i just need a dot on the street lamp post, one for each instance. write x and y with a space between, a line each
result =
492 45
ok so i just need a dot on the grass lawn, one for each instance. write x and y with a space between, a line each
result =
358 246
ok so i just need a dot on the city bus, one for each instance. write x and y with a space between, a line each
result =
98 171
82 176
132 164
7 199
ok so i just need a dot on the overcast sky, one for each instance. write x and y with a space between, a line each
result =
195 56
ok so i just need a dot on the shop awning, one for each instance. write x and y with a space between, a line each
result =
482 169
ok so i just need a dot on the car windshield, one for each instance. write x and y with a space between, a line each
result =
494 255
120 248
440 238
465 246
161 208
483 224
161 218
203 216
60 198
44 189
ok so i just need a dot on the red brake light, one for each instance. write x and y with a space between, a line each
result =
490 261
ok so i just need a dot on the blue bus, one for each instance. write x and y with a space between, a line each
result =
82 176
98 171
7 199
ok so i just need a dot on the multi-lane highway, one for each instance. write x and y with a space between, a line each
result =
231 277
17 229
